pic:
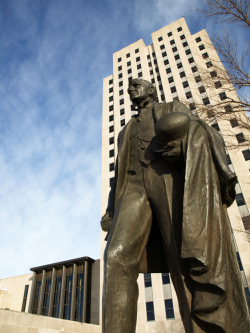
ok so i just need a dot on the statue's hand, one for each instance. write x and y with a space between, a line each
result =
172 151
106 221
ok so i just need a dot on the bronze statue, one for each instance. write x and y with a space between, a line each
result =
168 207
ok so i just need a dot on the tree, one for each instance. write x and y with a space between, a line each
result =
234 76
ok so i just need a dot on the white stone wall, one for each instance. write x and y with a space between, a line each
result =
20 322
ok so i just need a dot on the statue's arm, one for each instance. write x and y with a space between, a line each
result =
108 216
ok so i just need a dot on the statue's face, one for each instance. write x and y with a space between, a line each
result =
138 91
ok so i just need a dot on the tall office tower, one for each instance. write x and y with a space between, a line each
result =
175 63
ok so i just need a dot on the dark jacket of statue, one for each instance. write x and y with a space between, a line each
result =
206 191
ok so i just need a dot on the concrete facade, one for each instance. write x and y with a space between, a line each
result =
162 63
20 322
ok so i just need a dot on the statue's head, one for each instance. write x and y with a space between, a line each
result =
141 90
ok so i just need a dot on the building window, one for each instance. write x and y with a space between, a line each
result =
223 96
190 60
121 101
111 153
162 97
25 296
120 83
110 98
138 59
239 261
79 294
137 50
111 129
210 113
111 140
198 39
122 122
153 54
129 63
201 47
121 92
228 109
156 69
176 98
247 292
139 66
169 308
240 199
185 84
217 84
246 222
179 29
150 64
152 80
151 72
166 62
129 71
37 294
216 126
168 70
140 74
111 166
147 280
246 154
148 56
160 39
209 64
240 137
173 90
194 69
234 122
185 44
197 79
127 55
57 295
213 74
119 68
206 101
158 78
120 76
204 55
162 47
119 59
182 74
179 65
170 34
177 57
111 118
111 107
172 42
188 52
189 94
182 37
68 294
111 181
155 62
160 87
110 90
132 107
164 54
150 311
174 49
110 81
202 90
165 278
192 106
228 159
47 290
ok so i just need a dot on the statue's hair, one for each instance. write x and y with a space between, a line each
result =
150 85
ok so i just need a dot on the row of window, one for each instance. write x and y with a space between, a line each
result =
170 34
127 55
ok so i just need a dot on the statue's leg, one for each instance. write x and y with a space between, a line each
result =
122 258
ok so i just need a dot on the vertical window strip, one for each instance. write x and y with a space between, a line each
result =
45 309
79 295
68 295
57 297
25 296
169 307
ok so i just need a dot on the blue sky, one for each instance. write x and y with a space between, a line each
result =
54 56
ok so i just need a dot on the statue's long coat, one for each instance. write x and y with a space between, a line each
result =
206 241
